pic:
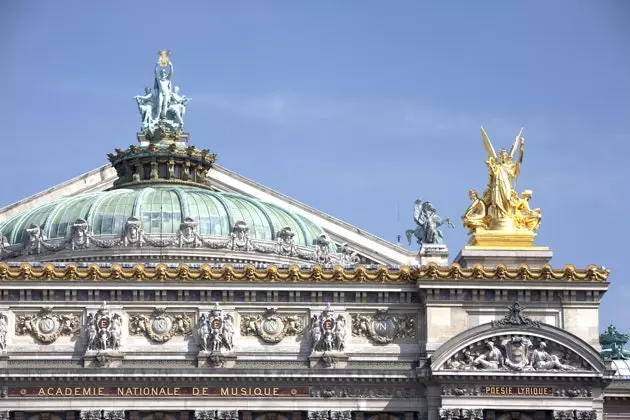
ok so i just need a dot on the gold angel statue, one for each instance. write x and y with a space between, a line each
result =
500 208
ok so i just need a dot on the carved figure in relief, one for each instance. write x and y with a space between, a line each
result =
427 220
491 359
328 333
108 328
216 331
541 360
203 332
4 327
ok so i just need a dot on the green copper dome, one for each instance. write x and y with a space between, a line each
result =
161 209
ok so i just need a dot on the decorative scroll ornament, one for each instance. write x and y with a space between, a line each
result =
215 331
4 329
515 318
104 330
160 326
517 353
383 327
47 326
271 327
328 333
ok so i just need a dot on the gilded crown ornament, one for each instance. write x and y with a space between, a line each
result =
500 216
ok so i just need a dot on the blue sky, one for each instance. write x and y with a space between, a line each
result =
356 108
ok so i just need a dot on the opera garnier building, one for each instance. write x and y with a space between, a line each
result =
164 287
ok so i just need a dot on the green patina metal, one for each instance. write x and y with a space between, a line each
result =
161 209
613 342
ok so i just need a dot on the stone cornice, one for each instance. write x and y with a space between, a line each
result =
292 274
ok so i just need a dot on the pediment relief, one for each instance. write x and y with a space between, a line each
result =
516 353
517 344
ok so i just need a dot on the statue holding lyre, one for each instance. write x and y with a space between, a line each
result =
500 212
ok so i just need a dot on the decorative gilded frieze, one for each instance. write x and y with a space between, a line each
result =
46 326
383 327
271 327
294 274
160 326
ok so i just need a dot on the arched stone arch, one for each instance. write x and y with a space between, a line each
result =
567 352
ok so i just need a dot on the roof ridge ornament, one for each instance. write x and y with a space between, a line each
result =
515 318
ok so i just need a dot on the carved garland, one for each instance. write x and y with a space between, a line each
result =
249 273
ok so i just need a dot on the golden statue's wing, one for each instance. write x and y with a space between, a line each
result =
514 147
487 144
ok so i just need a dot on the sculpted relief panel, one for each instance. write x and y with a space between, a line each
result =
46 326
383 327
160 326
515 353
271 327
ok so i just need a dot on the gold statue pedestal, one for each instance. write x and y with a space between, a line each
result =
508 247
509 238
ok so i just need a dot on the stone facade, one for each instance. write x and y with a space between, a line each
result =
223 319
